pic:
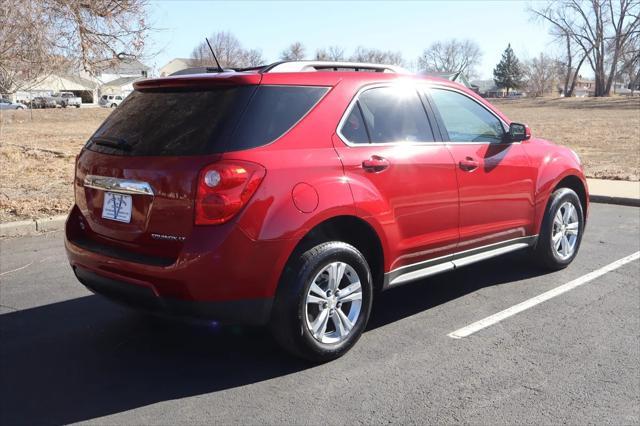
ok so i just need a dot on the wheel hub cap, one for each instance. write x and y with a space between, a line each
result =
566 227
333 303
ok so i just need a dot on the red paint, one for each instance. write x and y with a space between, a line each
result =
423 200
305 197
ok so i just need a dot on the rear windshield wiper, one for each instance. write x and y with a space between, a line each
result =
117 143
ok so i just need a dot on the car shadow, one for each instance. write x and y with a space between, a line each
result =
80 359
410 299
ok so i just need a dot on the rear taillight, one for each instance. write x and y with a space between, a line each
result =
224 188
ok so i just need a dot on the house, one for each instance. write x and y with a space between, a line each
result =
118 79
178 64
484 86
123 68
584 87
458 77
120 86
85 88
489 89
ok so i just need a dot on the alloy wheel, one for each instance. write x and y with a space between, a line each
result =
564 235
333 303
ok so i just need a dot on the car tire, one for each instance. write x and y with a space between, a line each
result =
113 105
296 312
77 106
561 231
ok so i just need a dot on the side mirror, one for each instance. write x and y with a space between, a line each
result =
519 132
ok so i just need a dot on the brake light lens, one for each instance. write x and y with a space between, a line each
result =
224 188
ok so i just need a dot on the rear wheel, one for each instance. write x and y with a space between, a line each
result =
113 105
561 231
323 302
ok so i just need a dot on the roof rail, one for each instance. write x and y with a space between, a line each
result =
309 66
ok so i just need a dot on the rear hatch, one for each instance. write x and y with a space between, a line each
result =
137 177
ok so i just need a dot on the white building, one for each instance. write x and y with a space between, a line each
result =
115 80
177 64
124 68
85 88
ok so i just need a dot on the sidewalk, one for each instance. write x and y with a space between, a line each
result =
614 192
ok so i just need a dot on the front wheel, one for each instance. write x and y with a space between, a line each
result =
323 302
561 232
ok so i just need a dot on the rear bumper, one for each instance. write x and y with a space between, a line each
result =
250 311
219 274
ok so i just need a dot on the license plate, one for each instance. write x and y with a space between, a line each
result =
117 207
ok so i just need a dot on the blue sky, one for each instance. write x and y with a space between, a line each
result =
409 26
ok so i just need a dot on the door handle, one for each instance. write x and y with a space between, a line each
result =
375 164
468 164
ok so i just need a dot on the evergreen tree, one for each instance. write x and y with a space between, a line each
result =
508 73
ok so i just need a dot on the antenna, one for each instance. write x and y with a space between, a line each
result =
214 56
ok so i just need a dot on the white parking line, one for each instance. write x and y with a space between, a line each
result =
495 318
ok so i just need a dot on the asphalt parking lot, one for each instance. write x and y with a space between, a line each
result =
68 356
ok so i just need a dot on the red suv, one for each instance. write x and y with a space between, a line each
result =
288 198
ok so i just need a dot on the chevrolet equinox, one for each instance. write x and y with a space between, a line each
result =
290 195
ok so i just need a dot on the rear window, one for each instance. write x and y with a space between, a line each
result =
175 123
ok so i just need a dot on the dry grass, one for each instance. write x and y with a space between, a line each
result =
604 132
37 154
37 151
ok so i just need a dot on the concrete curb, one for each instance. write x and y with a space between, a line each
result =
31 227
606 199
55 223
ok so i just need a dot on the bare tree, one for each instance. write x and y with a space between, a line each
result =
452 56
541 74
322 55
39 36
333 53
601 28
253 58
336 53
227 48
363 54
574 56
229 52
630 63
295 52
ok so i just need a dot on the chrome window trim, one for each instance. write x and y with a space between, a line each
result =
121 186
426 268
505 126
352 104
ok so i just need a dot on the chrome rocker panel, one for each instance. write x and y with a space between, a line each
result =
416 271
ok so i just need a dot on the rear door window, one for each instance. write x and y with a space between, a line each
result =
353 129
395 114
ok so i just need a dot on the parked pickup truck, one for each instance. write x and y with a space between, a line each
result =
65 99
